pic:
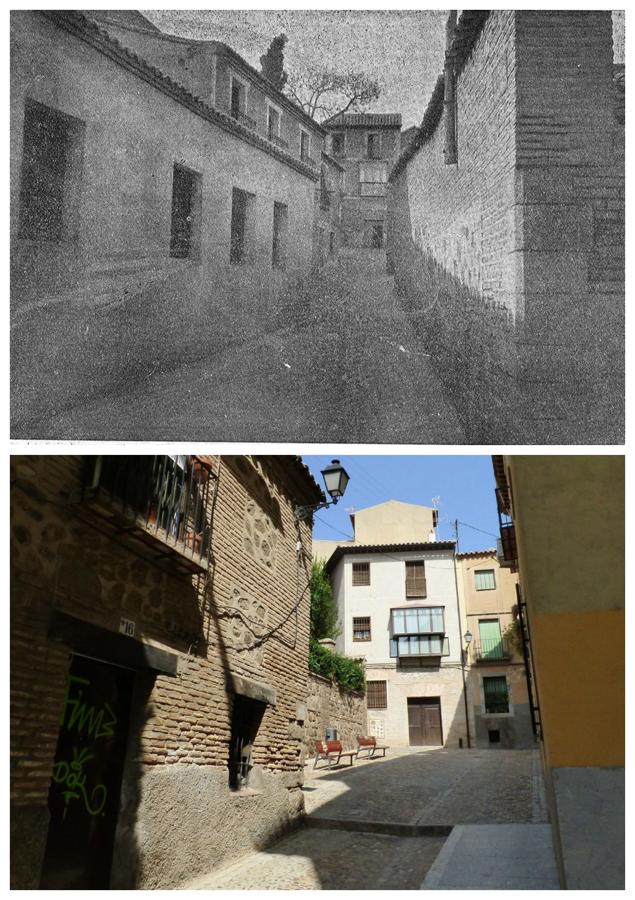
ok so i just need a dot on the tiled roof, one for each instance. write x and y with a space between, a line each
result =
344 549
489 552
364 120
85 29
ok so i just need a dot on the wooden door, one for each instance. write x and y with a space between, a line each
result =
424 722
86 783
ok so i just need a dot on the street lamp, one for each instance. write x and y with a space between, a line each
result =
335 478
467 637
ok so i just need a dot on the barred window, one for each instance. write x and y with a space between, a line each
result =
415 579
361 573
485 580
376 695
495 694
361 628
373 178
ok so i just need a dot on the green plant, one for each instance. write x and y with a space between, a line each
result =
323 608
348 673
513 635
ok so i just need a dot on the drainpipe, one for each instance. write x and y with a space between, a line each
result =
458 609
449 95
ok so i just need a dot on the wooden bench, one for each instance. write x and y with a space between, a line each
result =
370 744
332 751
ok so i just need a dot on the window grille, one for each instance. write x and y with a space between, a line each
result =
495 694
376 695
361 628
361 573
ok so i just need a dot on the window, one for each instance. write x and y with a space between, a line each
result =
490 639
361 573
373 146
495 694
273 123
305 146
485 580
418 631
186 197
242 226
237 107
246 718
494 735
325 197
376 695
338 144
279 250
361 628
373 178
51 174
331 243
418 620
415 579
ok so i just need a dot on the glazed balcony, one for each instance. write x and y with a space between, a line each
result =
156 505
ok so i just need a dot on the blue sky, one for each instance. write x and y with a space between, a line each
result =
464 484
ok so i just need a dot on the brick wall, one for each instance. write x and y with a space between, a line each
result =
179 739
507 258
329 706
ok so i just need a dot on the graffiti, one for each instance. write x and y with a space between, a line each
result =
97 723
72 777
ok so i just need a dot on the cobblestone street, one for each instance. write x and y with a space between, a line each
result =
339 363
372 825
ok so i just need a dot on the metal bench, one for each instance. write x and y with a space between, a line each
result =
370 744
332 752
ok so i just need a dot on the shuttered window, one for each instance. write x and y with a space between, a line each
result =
415 579
495 694
376 695
361 628
485 580
361 573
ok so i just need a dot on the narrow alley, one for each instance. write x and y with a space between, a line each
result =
344 361
381 824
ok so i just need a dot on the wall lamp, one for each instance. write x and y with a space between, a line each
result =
467 637
335 478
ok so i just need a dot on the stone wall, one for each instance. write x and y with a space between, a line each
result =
246 618
329 706
512 259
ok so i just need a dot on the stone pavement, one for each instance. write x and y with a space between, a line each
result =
339 363
308 859
495 857
431 787
380 824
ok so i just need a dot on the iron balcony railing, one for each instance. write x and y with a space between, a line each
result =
163 501
308 160
491 650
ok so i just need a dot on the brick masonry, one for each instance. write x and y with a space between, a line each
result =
329 706
179 736
513 258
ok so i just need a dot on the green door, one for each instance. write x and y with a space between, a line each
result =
491 642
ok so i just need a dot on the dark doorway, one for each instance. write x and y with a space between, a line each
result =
183 212
376 235
86 783
424 722
246 718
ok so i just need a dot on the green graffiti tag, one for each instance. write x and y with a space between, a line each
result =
81 717
72 777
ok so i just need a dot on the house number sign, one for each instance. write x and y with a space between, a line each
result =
126 626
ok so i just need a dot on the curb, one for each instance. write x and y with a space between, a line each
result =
396 828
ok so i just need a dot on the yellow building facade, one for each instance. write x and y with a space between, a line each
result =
562 527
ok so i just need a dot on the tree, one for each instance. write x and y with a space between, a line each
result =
272 62
323 609
323 93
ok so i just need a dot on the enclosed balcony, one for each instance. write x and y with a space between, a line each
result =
157 505
418 631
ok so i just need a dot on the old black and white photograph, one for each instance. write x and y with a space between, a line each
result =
372 226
